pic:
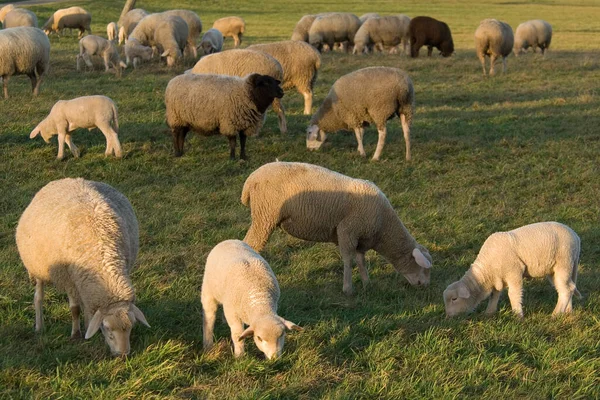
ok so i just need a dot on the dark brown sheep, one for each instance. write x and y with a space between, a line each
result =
427 31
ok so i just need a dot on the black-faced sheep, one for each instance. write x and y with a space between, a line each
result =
427 31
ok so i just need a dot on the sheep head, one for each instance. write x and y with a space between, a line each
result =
458 299
315 137
269 334
263 90
417 268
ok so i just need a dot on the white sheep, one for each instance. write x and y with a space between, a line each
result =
194 25
91 45
20 17
534 33
242 281
82 112
333 28
25 51
218 104
313 203
234 27
368 95
135 52
301 29
382 32
241 62
366 16
72 18
129 22
495 39
111 32
544 249
170 37
300 63
82 236
212 42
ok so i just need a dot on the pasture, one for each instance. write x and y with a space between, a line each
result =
489 154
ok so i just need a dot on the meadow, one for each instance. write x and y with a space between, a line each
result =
489 154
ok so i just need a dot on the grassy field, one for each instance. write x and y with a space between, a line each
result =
489 154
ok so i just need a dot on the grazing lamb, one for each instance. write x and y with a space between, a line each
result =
82 112
219 104
212 42
368 95
427 31
241 62
171 38
534 33
366 16
25 51
300 63
544 249
382 32
129 22
135 52
333 28
231 27
82 236
91 45
495 39
242 281
20 17
111 32
72 18
313 203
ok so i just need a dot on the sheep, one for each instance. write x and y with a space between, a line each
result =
82 236
231 27
333 28
218 104
20 17
300 63
171 38
368 95
72 18
129 22
111 32
25 51
5 10
243 282
135 53
366 16
313 203
241 62
543 249
301 29
82 112
212 41
194 27
534 33
382 32
427 31
495 39
95 45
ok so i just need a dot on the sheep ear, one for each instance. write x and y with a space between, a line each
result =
463 292
253 78
291 326
165 53
420 259
123 65
139 315
36 131
94 325
247 333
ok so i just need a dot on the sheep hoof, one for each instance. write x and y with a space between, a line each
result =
76 336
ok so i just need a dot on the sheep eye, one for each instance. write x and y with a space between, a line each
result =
258 337
454 299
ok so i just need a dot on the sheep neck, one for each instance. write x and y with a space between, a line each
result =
258 304
395 243
326 118
478 283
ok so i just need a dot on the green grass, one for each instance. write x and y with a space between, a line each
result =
489 154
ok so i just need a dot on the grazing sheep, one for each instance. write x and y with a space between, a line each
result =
135 52
129 22
243 282
301 29
171 38
300 63
241 62
495 39
231 27
111 32
82 112
91 45
427 31
194 27
368 95
72 18
366 16
219 104
333 28
313 203
534 33
82 236
212 41
544 249
25 51
5 10
382 32
20 17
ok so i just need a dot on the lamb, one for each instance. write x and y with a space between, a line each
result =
313 203
231 27
82 236
171 38
5 10
427 31
300 63
136 53
219 104
194 25
495 39
534 33
129 22
25 51
243 282
333 28
366 16
212 41
72 18
20 17
548 249
382 32
368 95
95 45
241 62
82 112
111 32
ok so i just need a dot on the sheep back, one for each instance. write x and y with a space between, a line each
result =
131 19
230 26
239 62
193 22
427 31
212 41
387 31
366 16
20 17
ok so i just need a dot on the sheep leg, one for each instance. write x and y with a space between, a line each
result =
106 58
72 147
308 98
503 65
515 295
492 62
481 57
112 141
5 85
75 313
179 139
209 315
88 61
259 233
237 328
34 84
243 146
492 306
359 132
61 145
406 131
364 273
38 299
280 110
429 51
348 249
565 288
232 144
236 41
380 142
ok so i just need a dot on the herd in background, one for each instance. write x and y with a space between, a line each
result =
228 93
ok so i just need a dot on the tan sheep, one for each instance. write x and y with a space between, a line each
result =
20 17
72 18
129 22
91 45
231 27
495 39
534 33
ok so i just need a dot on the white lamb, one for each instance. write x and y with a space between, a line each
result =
242 281
82 112
544 249
91 45
111 32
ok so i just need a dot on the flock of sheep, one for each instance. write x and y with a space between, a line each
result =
94 227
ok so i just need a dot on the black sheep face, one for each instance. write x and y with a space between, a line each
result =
266 86
447 48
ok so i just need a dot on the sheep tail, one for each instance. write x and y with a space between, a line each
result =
246 195
115 117
574 273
